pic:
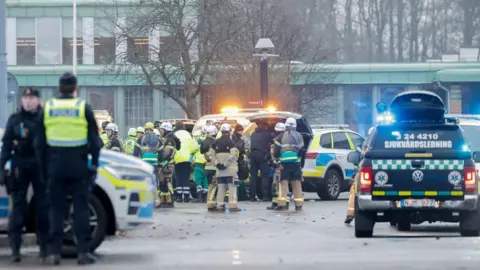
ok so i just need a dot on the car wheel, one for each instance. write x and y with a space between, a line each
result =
98 227
363 222
393 223
332 186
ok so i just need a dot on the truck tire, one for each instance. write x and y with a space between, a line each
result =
363 222
98 222
331 186
470 222
404 226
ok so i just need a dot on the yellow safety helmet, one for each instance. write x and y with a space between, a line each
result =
140 130
149 125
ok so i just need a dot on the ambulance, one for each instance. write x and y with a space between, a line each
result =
123 199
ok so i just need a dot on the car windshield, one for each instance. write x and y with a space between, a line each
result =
471 134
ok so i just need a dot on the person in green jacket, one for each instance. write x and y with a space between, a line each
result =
103 134
130 142
199 170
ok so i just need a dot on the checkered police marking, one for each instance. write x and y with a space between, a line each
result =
406 164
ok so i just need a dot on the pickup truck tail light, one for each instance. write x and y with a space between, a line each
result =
470 177
366 179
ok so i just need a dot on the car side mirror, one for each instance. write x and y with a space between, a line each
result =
381 107
476 157
354 157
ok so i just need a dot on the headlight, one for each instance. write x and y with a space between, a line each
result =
129 173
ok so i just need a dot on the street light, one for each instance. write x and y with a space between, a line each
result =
263 45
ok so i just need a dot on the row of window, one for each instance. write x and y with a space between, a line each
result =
52 43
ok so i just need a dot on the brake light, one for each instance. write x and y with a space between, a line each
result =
470 179
311 155
366 179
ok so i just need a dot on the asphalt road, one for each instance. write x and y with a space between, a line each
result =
188 237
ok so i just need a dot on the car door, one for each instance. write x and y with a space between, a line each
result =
355 141
342 147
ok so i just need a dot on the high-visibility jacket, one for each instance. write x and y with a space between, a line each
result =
199 157
187 147
104 138
65 123
130 145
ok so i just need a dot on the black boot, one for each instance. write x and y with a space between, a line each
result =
349 219
204 197
53 259
86 258
16 256
298 208
42 255
272 207
281 208
186 198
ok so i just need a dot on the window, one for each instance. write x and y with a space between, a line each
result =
340 141
357 141
25 41
138 106
358 107
326 141
104 43
102 98
169 52
67 41
49 44
137 44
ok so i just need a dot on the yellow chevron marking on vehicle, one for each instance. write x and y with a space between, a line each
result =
431 193
404 193
378 193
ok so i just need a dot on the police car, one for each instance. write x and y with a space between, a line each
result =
327 171
123 199
417 169
470 125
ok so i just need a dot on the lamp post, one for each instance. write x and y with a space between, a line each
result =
3 67
263 45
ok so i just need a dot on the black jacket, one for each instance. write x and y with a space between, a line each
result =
18 140
71 161
261 139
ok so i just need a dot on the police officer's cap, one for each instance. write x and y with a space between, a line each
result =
30 92
68 79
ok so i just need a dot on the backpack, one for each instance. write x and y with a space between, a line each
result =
151 141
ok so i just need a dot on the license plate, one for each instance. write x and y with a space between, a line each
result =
414 203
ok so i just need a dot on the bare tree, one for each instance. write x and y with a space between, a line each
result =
186 54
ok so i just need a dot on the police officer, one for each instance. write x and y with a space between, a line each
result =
130 142
287 148
171 145
210 168
261 139
67 133
103 134
18 146
225 155
114 143
279 127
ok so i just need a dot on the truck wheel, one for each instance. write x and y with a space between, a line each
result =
98 227
404 226
393 223
363 222
332 186
470 222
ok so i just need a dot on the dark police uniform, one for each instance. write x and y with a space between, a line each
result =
67 134
18 146
261 139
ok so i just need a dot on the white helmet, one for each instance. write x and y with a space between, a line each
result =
205 128
112 126
167 126
211 130
291 123
279 127
225 128
156 132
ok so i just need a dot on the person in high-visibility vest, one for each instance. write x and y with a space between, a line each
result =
170 146
199 169
279 127
67 134
114 143
103 134
210 169
130 142
287 146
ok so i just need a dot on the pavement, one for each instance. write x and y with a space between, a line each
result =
188 237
